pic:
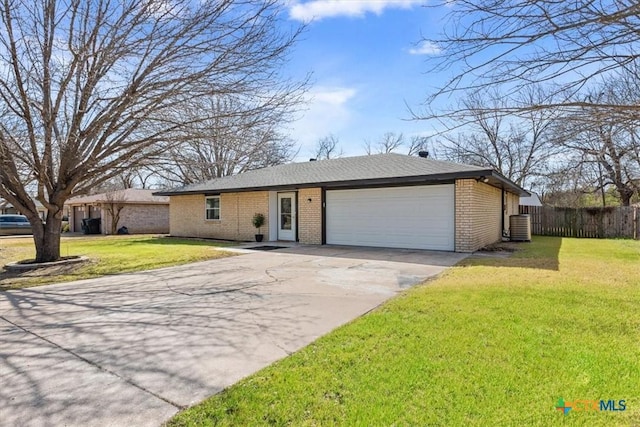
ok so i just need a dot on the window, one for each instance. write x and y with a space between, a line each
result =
212 207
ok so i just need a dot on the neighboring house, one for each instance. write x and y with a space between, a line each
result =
138 210
384 200
7 208
532 200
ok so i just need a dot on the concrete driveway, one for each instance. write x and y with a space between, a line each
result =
134 349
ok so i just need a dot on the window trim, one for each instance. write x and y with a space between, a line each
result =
206 209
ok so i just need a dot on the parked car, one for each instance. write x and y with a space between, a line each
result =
14 224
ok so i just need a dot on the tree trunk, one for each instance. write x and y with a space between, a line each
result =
625 195
47 238
115 219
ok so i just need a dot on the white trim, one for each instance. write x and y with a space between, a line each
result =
273 216
290 234
213 209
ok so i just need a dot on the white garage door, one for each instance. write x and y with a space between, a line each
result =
420 217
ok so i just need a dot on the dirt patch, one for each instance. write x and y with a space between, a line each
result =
19 278
498 250
503 247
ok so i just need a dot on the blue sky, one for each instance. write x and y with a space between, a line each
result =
366 64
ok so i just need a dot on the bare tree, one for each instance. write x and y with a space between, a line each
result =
114 203
419 144
578 182
567 186
328 147
387 143
519 146
390 142
233 135
91 88
599 149
567 45
142 175
606 145
139 177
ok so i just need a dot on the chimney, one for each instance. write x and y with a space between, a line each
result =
423 154
312 160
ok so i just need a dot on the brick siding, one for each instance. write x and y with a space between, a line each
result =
310 216
513 208
139 219
187 216
478 215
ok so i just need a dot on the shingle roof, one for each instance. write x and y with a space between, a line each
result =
128 196
374 169
532 200
5 204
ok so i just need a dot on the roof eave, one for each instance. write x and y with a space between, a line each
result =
121 202
508 184
431 178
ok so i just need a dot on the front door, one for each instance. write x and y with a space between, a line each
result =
286 216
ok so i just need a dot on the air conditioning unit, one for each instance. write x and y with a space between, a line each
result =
520 228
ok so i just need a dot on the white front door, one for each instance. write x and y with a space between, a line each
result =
287 216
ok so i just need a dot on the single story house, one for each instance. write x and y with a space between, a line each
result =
384 200
8 208
139 210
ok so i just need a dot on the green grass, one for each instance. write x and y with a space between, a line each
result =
108 255
491 342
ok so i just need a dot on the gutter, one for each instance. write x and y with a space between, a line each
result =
362 183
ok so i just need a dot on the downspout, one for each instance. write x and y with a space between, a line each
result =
237 214
323 215
504 209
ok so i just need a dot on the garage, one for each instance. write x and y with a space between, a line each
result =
417 217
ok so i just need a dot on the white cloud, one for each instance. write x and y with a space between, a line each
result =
328 112
426 48
319 9
334 97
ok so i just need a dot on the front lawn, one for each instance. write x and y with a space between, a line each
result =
108 254
493 341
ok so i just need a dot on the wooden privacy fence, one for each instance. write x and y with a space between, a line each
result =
602 223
